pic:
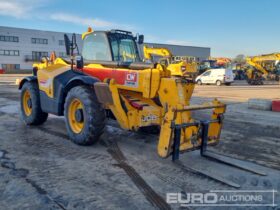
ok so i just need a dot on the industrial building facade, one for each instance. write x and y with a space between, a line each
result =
19 48
200 53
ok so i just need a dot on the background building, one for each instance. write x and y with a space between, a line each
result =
19 48
200 53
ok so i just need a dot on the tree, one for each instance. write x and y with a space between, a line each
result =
239 58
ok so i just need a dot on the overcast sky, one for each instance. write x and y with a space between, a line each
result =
229 27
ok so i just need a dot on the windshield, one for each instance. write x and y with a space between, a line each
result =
95 47
123 48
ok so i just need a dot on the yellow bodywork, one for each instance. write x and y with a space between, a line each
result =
256 65
181 68
47 71
149 52
174 94
259 63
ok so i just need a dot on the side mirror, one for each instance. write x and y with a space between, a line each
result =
140 39
79 62
67 44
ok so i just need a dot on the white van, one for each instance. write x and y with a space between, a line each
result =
216 76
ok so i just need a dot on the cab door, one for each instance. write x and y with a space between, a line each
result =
206 77
212 77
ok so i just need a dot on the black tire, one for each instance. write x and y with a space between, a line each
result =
218 83
228 84
199 82
37 116
94 116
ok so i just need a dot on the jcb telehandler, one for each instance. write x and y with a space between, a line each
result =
109 78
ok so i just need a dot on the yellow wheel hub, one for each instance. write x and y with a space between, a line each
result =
27 103
76 116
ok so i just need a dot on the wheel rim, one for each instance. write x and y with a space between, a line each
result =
75 115
27 103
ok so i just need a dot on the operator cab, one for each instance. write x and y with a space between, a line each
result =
112 45
115 48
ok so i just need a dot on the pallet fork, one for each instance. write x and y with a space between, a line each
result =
204 125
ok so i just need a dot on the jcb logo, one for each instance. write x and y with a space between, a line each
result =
149 118
132 77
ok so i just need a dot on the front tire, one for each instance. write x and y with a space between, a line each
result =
85 118
199 82
218 83
30 105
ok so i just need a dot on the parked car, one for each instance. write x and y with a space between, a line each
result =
216 76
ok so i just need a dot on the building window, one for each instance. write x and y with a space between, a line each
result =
10 66
36 56
39 41
61 42
9 52
62 54
8 38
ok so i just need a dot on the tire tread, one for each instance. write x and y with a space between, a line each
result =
95 119
37 116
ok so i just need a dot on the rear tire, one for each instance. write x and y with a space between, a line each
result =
199 82
86 123
218 83
30 106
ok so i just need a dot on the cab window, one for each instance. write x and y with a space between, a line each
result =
124 49
96 47
207 73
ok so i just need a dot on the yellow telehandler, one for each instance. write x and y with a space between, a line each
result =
109 78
